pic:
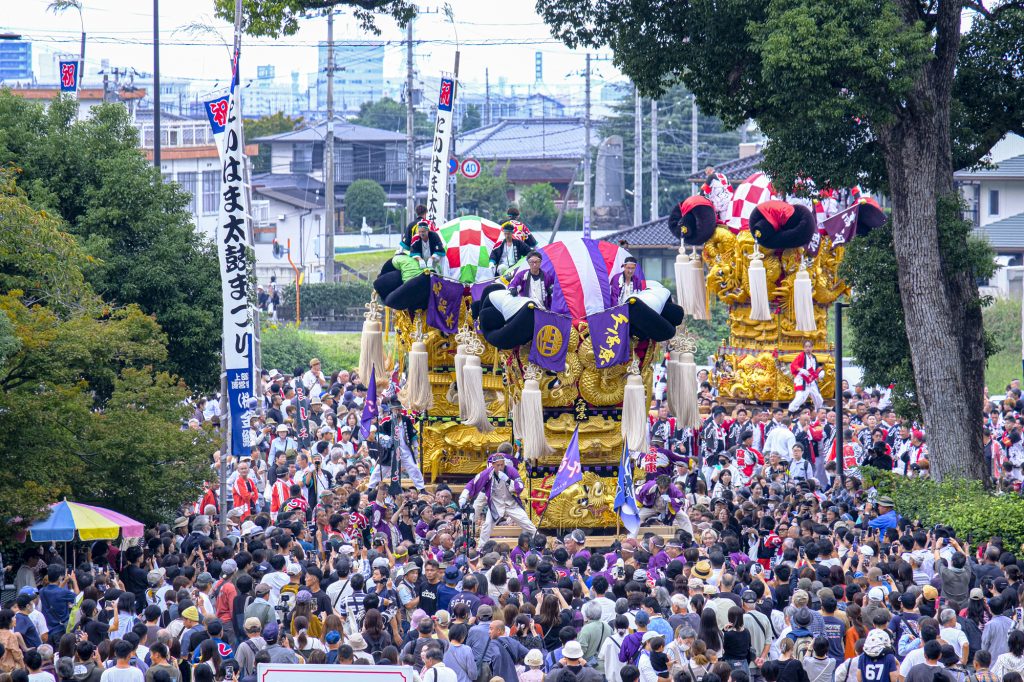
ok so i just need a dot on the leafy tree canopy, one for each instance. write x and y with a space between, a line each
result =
263 126
537 205
277 18
137 235
486 195
365 199
387 114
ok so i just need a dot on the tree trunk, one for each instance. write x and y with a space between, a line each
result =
943 317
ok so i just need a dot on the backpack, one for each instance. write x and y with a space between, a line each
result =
375 646
803 646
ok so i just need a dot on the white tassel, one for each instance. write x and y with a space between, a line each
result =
803 302
473 390
461 354
759 308
682 264
371 351
417 390
535 444
672 384
516 412
634 414
697 288
689 414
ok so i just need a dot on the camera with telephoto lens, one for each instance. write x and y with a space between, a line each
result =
283 607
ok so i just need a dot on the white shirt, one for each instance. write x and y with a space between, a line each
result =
309 379
781 440
276 580
439 672
130 674
39 621
954 637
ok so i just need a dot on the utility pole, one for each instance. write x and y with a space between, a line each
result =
410 147
487 97
156 82
693 144
638 158
654 159
452 203
329 156
586 157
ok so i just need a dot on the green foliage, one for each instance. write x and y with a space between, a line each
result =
717 144
387 114
365 199
963 504
324 299
262 127
879 341
140 243
84 413
537 205
710 333
1002 322
278 18
486 195
471 120
286 347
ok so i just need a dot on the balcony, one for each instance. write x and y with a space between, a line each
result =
177 134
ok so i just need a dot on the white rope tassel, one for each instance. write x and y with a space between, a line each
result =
697 288
461 354
634 414
473 390
516 412
689 414
682 293
672 379
535 444
371 351
759 308
803 302
418 389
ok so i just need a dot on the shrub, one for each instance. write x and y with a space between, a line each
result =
962 504
286 347
324 299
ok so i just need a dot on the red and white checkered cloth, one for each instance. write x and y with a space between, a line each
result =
751 192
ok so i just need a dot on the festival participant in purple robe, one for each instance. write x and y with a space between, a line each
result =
533 283
626 283
659 461
659 499
495 495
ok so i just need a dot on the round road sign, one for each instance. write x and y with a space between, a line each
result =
453 166
470 168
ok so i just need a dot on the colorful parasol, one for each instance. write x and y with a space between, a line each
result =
91 523
468 242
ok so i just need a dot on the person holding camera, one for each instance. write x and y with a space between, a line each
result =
497 488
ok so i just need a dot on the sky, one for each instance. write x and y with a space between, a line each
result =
500 36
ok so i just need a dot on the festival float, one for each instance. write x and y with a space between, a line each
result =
485 367
773 261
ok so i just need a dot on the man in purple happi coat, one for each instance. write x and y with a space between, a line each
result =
659 498
533 283
626 283
658 461
495 494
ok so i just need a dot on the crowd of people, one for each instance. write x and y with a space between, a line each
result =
781 567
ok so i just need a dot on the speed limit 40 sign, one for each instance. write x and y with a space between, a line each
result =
470 168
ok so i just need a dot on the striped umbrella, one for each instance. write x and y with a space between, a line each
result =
91 523
583 269
468 242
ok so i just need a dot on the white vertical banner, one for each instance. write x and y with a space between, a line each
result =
238 283
437 186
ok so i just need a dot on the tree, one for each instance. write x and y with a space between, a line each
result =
145 248
486 195
387 114
263 126
78 418
365 199
471 120
865 91
278 18
716 144
537 205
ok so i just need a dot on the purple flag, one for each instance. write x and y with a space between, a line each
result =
569 471
609 332
369 404
814 245
842 225
550 340
444 304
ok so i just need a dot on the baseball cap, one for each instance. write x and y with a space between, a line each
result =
29 590
929 592
876 594
484 613
252 624
262 588
333 637
153 577
648 636
867 550
294 569
271 630
977 594
749 597
204 579
640 575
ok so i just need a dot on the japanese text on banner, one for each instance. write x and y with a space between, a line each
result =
437 185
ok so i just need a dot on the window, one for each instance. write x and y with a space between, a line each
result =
265 235
188 184
302 158
993 202
211 187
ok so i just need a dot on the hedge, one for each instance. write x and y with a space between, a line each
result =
286 347
964 505
324 299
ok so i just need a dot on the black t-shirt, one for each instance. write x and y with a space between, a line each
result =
428 596
135 581
96 631
323 602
